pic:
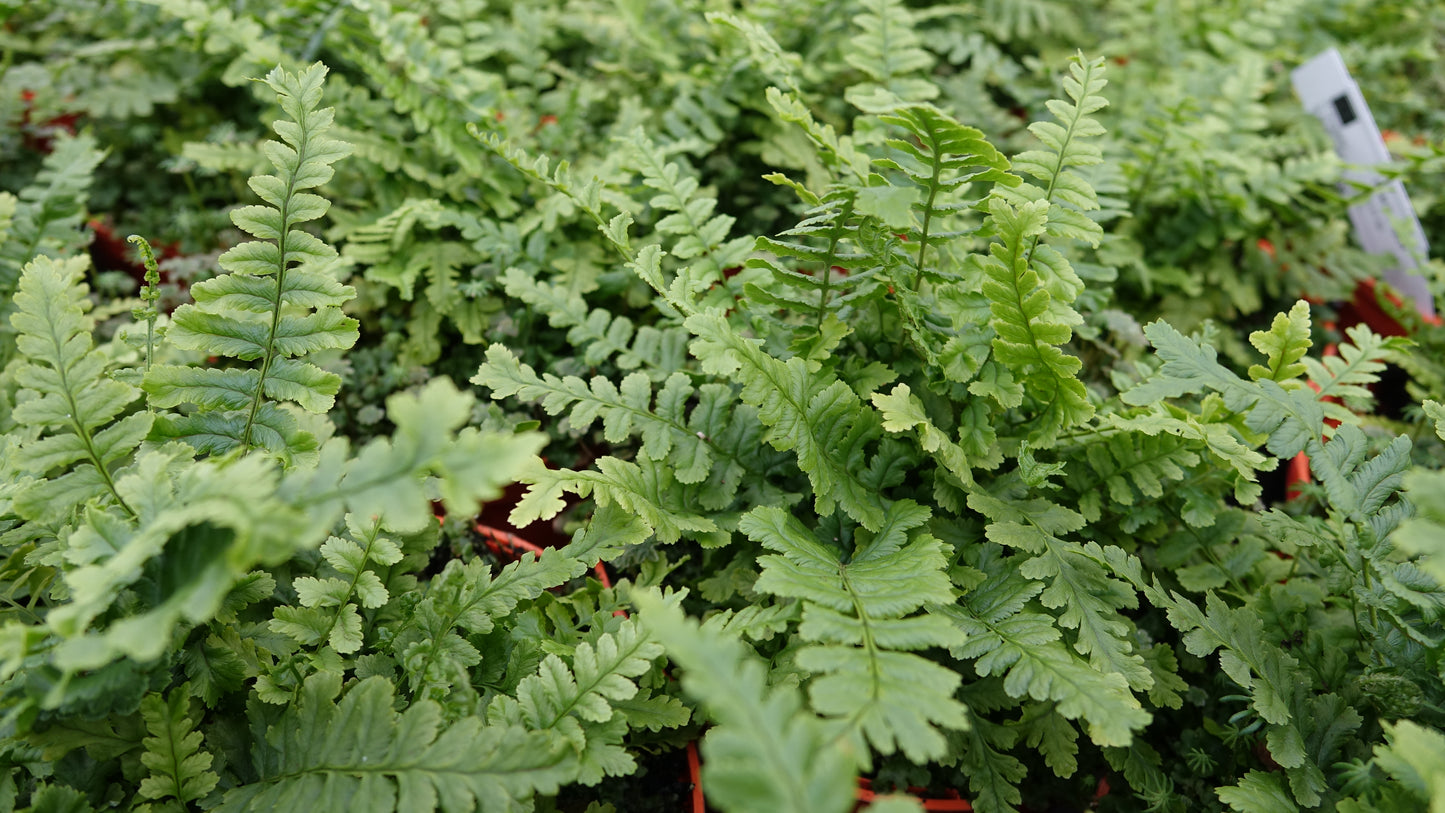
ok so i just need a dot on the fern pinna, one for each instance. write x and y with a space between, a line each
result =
277 302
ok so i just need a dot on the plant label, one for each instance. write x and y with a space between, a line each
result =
1386 222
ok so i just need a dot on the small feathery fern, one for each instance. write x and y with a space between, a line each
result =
862 627
48 212
578 702
325 754
767 752
1030 284
66 396
277 302
179 768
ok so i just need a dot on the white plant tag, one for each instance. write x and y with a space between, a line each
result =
1330 95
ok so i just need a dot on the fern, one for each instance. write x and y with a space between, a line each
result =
1030 284
667 430
823 422
886 50
66 396
582 703
433 655
328 754
943 158
275 304
328 612
597 335
767 752
47 216
179 769
858 619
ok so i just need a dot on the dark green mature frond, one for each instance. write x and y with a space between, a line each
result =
66 395
818 417
328 755
859 618
276 303
767 752
48 213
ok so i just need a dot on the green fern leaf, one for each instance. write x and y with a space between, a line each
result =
179 769
434 657
886 49
665 429
328 611
766 752
579 702
326 754
1258 792
1030 323
47 215
859 617
1284 344
275 304
1023 646
942 158
66 395
823 422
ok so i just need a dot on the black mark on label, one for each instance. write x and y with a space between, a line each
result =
1345 109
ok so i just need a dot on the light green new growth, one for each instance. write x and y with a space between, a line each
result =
277 302
859 619
328 612
1030 284
67 396
179 768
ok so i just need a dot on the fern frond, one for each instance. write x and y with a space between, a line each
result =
179 768
828 278
1068 194
859 617
1284 345
66 395
766 752
327 754
598 336
1006 637
1030 323
275 304
48 213
647 488
580 703
817 417
942 158
668 430
701 235
468 597
328 612
886 49
1349 375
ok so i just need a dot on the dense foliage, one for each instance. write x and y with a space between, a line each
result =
926 376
